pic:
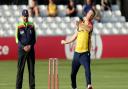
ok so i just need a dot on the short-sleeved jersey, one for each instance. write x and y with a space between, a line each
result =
83 37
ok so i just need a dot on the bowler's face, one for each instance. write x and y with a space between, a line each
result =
90 15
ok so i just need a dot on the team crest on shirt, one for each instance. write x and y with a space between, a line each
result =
30 31
21 32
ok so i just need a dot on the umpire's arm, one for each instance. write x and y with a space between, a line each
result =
33 41
17 37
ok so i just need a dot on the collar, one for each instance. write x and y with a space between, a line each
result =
25 23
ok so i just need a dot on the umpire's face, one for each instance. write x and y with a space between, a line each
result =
25 15
25 18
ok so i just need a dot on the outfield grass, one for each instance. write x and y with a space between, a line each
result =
106 74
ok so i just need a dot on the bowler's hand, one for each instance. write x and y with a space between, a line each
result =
63 42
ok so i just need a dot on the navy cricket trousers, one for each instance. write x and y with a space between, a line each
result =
81 59
22 58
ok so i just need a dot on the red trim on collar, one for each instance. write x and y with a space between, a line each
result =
30 26
21 26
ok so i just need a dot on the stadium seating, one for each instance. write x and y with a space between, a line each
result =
61 10
60 26
43 10
79 9
112 21
115 7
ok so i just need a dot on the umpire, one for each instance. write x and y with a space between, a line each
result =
25 37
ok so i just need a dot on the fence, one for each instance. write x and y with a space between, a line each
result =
103 46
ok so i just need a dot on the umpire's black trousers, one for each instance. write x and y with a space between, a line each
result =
22 58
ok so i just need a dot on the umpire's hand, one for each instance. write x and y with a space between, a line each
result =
27 48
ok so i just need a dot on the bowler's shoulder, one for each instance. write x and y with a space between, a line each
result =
89 23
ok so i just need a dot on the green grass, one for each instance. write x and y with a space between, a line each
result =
106 74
